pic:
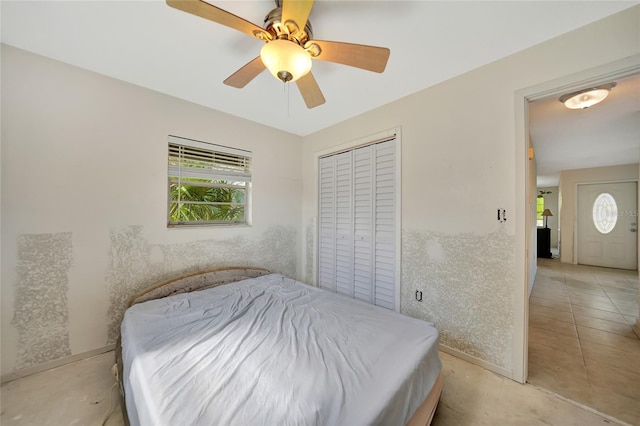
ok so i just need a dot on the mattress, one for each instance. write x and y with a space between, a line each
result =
271 350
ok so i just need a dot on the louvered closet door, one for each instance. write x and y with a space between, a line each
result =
385 224
327 224
357 223
344 223
363 259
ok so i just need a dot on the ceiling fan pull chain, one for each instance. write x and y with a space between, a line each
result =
288 100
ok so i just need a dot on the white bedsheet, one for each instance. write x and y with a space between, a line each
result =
274 351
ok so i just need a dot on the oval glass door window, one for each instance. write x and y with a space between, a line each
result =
605 213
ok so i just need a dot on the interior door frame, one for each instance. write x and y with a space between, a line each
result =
525 260
576 247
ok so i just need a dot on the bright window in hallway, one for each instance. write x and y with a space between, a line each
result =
605 213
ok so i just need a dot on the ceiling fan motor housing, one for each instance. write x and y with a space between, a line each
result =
286 31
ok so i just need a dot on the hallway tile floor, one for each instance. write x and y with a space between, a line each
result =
581 342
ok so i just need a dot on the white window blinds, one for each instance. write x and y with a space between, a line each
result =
357 223
199 160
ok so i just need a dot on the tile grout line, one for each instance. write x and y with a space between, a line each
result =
597 282
617 309
575 326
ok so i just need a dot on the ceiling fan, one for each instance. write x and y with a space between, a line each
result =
289 46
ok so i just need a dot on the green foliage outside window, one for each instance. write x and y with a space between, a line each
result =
205 201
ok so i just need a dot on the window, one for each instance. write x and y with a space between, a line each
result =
605 213
539 210
208 184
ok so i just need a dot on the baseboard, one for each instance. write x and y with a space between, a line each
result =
477 361
24 372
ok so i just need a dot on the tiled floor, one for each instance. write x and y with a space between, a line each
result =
581 343
82 393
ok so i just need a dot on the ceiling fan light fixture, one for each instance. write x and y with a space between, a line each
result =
588 97
286 60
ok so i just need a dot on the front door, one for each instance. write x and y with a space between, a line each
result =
607 225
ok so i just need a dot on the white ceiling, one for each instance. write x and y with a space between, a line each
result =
149 44
606 134
152 45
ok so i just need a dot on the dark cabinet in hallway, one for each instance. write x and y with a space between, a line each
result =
544 243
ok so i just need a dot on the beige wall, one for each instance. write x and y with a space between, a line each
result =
84 166
569 181
458 167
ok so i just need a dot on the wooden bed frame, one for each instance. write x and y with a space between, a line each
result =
210 278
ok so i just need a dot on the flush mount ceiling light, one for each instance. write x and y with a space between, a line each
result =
587 97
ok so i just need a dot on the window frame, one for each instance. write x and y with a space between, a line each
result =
214 162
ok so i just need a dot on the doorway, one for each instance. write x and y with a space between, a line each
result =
595 308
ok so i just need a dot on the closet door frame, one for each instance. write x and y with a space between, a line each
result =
349 146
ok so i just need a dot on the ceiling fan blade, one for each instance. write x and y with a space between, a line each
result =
208 11
245 74
371 58
296 11
310 91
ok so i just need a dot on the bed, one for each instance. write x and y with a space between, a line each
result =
241 346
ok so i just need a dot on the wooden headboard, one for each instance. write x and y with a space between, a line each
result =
197 281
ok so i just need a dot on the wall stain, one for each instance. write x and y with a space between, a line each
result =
467 284
136 264
41 308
